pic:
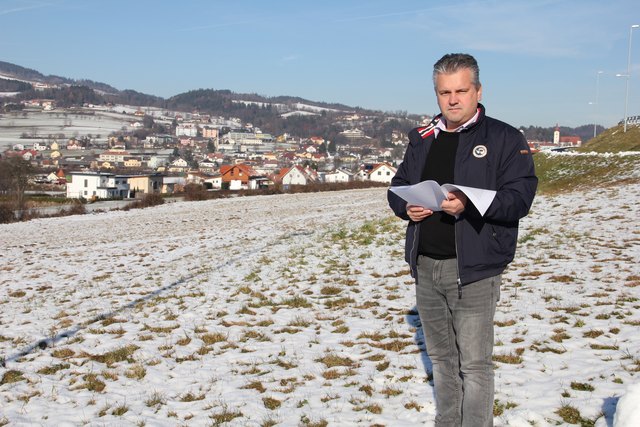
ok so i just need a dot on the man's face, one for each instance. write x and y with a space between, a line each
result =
457 97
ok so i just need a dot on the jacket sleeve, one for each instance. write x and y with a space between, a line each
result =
516 180
402 177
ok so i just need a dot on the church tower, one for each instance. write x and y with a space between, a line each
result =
556 135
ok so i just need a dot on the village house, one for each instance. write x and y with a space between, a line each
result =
187 129
145 184
210 132
132 162
173 184
97 185
57 177
213 182
178 165
295 175
113 156
353 133
339 175
237 176
380 172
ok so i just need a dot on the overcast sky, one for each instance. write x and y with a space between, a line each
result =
539 59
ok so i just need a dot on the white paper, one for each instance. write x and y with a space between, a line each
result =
430 195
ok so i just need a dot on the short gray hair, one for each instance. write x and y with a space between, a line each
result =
453 62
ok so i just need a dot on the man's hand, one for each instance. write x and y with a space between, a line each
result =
455 204
418 213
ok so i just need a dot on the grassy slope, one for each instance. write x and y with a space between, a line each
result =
590 165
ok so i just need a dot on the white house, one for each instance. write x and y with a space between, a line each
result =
380 172
292 176
179 163
99 185
339 175
187 129
214 182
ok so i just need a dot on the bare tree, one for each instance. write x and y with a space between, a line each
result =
14 178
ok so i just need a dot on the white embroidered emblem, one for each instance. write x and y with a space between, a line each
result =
479 151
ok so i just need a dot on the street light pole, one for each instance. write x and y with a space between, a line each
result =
626 97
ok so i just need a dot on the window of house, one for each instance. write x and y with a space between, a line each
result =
86 182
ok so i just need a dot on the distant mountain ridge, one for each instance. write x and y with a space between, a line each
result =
17 72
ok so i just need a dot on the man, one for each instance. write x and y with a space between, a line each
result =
457 255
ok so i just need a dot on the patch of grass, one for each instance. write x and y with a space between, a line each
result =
271 403
296 302
510 322
225 416
299 322
305 421
118 355
569 414
120 410
191 397
511 358
331 360
12 376
213 337
92 383
560 335
136 372
581 386
339 303
391 391
382 366
593 333
330 290
50 370
155 399
62 353
17 294
255 385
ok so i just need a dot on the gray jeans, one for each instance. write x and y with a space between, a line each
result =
459 338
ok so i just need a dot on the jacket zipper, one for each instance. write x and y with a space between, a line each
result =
455 231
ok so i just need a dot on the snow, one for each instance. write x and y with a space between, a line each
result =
295 309
628 413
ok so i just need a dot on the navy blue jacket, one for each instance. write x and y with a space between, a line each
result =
491 155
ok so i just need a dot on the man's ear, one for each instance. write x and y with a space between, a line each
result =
480 93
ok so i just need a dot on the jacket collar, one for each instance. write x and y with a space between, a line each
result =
438 123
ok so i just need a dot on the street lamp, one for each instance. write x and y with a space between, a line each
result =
626 97
596 102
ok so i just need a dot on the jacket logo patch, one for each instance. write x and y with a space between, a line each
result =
479 151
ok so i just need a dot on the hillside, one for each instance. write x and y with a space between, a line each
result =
614 140
264 112
611 158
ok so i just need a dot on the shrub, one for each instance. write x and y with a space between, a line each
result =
6 213
194 192
148 200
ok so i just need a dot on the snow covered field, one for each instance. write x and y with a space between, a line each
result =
295 310
45 123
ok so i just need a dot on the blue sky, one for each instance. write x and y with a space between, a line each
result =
538 59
